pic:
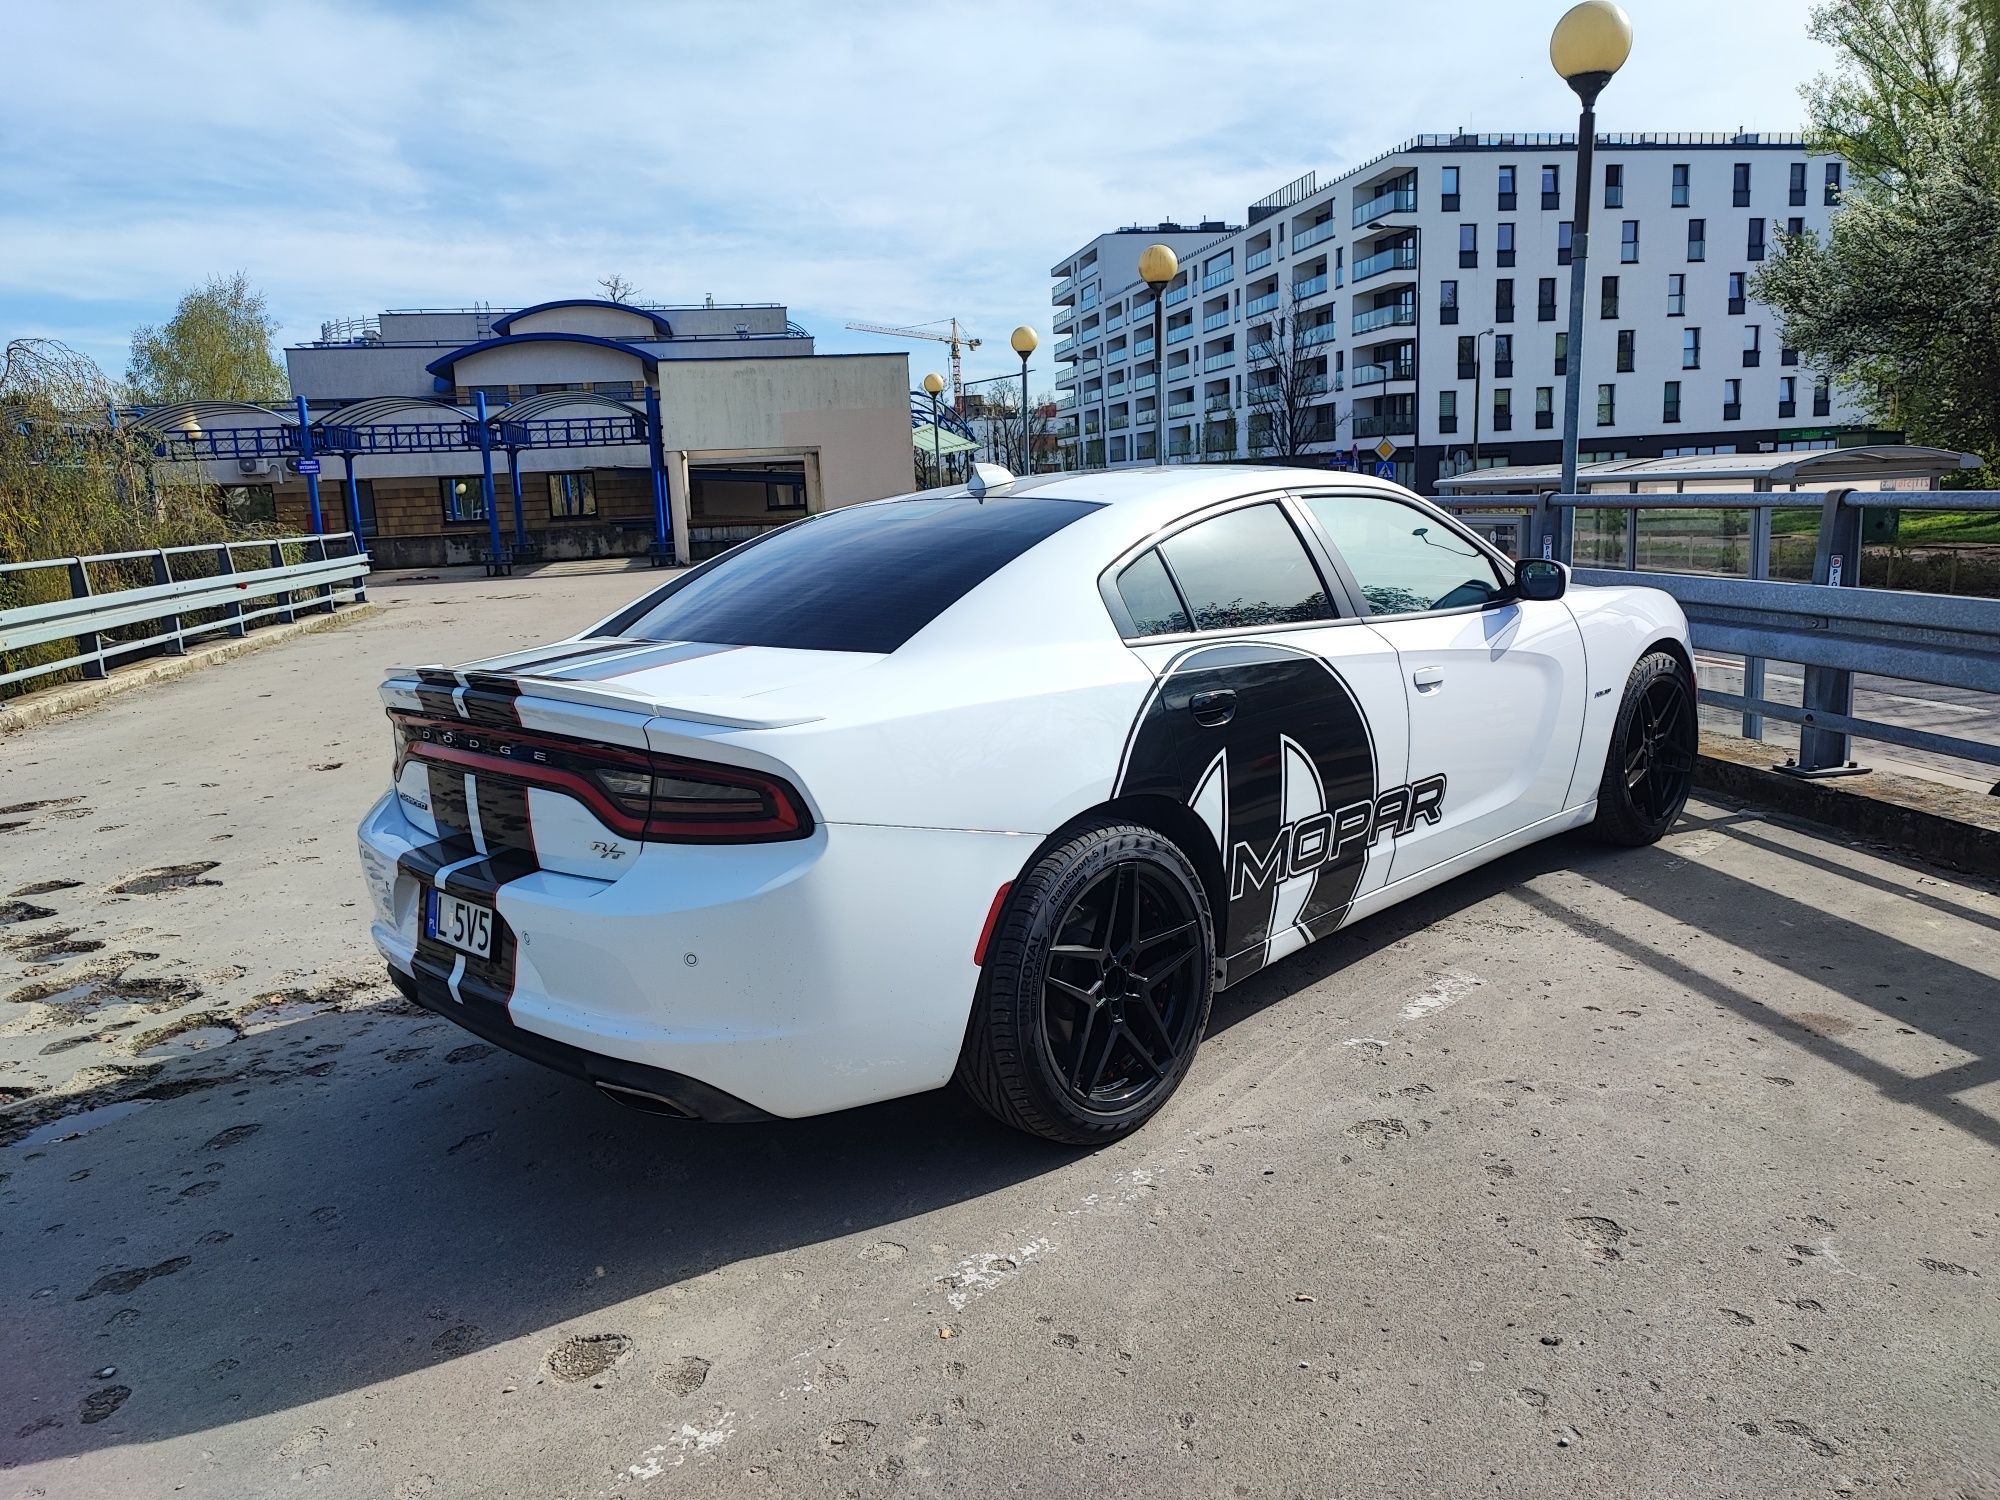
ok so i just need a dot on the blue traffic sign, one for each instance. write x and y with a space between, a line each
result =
308 466
1385 470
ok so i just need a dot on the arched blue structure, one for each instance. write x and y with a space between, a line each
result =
660 324
441 368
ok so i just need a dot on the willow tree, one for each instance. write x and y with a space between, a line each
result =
216 347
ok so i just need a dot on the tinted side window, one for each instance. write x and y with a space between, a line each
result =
1150 597
1403 559
865 579
1246 568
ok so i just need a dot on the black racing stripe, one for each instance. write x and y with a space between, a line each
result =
448 805
661 656
569 654
435 691
490 701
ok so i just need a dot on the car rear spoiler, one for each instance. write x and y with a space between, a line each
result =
728 713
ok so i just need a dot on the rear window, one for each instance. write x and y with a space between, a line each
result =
862 579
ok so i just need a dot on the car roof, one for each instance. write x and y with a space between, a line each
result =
1181 486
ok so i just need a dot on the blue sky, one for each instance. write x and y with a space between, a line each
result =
891 162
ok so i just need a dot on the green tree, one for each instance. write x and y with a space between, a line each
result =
216 347
1900 302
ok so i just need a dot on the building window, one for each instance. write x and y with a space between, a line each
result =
1732 400
1447 302
1448 189
1503 409
1697 239
1503 300
496 395
1680 190
1562 354
1503 251
1552 187
1627 347
1794 227
463 499
1670 402
250 502
1545 407
1832 195
1787 355
1614 185
1690 348
1339 268
1798 193
1822 399
1607 300
1676 295
1628 242
1447 411
1753 345
1607 405
1736 302
1788 395
1468 244
1503 355
1565 233
1739 185
1755 246
1545 300
1507 188
572 496
1468 357
793 496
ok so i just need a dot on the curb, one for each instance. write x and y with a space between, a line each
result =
1938 823
71 697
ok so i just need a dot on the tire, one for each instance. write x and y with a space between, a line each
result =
1649 768
1083 1028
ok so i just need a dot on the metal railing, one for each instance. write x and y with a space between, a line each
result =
1832 627
332 571
1314 234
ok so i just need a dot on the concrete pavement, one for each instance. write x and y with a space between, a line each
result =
1668 1172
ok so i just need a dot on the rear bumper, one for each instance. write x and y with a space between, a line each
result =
653 1089
785 979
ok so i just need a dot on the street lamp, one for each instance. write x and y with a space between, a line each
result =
1158 265
934 383
1478 391
1024 342
1590 43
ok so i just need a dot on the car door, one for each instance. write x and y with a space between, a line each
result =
1277 718
1494 684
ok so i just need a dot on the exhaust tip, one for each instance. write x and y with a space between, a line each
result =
644 1101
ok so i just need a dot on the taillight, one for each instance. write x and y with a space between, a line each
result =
639 794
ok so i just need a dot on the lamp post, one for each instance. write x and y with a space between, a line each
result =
1024 342
1478 391
1158 265
933 384
1590 43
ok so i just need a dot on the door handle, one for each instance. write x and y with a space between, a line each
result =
1427 679
1213 708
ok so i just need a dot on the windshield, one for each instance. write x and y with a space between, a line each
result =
861 579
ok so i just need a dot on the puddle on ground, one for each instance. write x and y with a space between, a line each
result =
82 1123
186 1043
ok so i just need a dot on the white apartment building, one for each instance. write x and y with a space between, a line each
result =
1428 295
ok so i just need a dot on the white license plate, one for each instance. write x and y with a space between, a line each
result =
463 924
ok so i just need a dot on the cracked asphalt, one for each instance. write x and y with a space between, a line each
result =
1657 1173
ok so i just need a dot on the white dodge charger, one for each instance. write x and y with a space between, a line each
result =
999 783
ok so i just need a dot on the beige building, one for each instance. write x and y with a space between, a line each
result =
607 429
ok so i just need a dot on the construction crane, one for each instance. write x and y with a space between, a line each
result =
958 338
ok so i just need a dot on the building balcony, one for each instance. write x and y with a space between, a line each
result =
1312 286
1065 319
1143 348
1381 374
1393 425
1218 278
1065 349
1065 291
1261 304
1396 258
1113 321
1090 366
1401 200
1120 423
1215 320
1317 234
1180 409
1178 294
1180 334
1257 261
1220 361
1144 382
1403 314
1319 333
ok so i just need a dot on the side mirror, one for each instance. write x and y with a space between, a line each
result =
1538 578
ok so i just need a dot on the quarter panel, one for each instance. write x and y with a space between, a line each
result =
1617 624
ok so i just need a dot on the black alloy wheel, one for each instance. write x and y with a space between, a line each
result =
1121 991
1649 771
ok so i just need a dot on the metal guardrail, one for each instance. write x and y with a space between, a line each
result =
1832 627
334 571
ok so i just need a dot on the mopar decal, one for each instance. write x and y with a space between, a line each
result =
1268 747
1324 838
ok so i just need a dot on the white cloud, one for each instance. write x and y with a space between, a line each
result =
891 163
